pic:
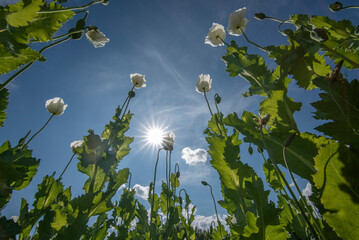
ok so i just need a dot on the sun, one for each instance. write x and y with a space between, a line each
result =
154 135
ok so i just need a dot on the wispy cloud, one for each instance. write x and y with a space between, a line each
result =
194 157
195 174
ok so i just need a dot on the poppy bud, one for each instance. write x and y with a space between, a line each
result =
131 94
336 6
259 16
217 98
204 183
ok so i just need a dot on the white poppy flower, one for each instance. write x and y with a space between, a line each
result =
96 37
56 106
76 144
215 34
204 83
168 141
138 80
237 22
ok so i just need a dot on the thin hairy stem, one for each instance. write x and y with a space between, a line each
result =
301 195
179 194
27 143
168 186
70 9
154 184
223 41
215 208
288 186
253 43
209 107
2 86
73 155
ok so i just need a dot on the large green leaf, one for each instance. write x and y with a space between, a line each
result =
18 168
48 192
281 108
13 54
336 180
23 12
45 25
250 67
339 103
300 162
305 66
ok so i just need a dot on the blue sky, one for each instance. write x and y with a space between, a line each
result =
164 40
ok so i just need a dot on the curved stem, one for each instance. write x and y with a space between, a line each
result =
154 185
71 9
179 194
289 188
215 208
66 166
348 7
209 107
300 194
27 143
253 43
2 86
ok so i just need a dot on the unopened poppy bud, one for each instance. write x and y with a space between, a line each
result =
288 32
204 183
105 2
178 174
319 35
131 94
336 6
217 98
259 16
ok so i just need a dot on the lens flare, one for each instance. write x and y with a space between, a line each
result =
154 136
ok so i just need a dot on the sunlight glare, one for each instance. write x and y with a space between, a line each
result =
154 136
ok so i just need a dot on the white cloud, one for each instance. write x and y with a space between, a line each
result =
204 222
307 191
141 191
193 157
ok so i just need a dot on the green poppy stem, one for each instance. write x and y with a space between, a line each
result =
2 86
301 195
179 194
27 143
348 7
128 99
253 43
215 208
66 166
71 9
209 107
154 184
223 41
168 185
288 186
